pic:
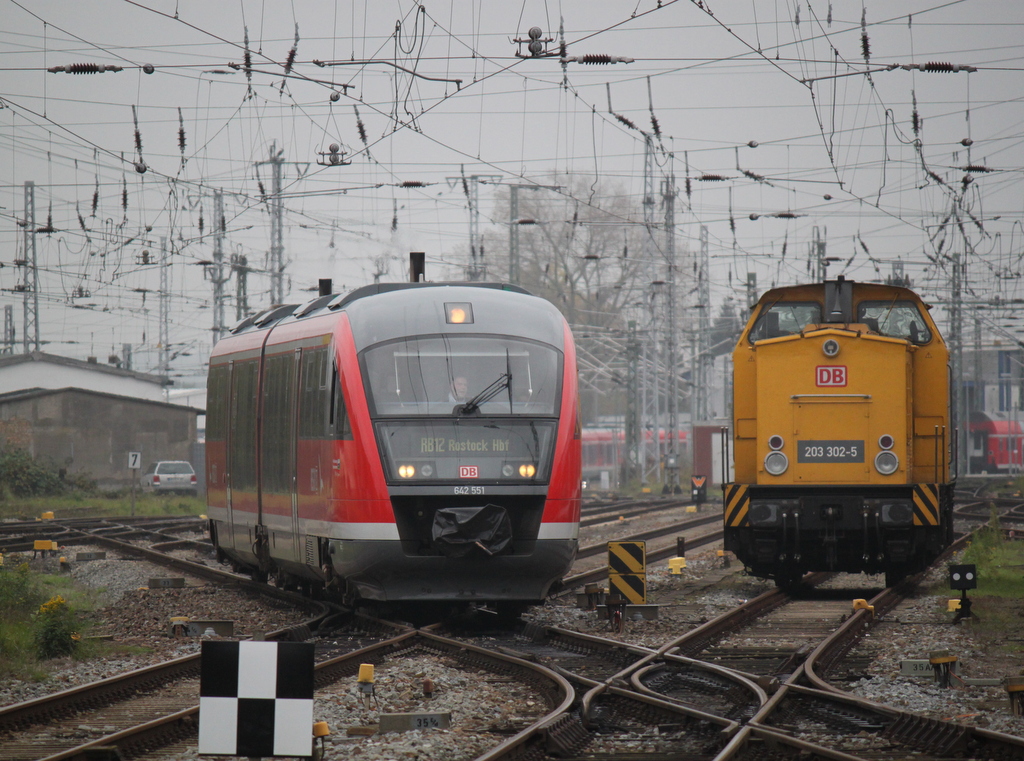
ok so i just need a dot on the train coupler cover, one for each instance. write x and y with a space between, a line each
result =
461 531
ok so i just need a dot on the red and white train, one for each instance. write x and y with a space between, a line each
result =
341 457
997 443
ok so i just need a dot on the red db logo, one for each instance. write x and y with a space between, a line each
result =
830 375
468 471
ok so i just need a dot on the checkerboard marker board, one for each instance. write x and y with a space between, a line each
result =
256 699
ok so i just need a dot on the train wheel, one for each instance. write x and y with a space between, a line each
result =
787 580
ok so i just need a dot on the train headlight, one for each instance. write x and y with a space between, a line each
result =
527 470
897 513
885 441
886 463
830 347
507 470
775 442
776 463
407 471
427 470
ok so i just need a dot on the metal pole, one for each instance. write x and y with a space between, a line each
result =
165 310
217 271
30 284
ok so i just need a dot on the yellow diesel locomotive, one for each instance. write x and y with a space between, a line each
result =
841 434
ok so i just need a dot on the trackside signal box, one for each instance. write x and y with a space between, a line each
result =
699 489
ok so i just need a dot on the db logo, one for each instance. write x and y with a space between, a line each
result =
469 471
830 375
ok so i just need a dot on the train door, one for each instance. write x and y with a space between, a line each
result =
277 467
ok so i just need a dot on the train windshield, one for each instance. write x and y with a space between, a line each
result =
441 375
896 319
784 318
456 449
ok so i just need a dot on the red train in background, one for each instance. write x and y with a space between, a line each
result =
403 442
604 449
997 443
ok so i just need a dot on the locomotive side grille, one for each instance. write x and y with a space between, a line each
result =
415 518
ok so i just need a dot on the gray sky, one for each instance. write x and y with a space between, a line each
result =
835 149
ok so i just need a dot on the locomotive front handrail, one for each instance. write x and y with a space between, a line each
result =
831 396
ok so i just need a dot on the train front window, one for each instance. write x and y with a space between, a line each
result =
784 318
434 375
895 319
467 450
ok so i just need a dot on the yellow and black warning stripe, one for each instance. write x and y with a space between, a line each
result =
627 557
737 500
632 586
926 505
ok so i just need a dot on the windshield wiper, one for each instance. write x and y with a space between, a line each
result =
473 405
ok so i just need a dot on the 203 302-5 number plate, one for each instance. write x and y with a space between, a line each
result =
830 450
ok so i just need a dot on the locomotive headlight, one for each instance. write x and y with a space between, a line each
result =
830 347
507 470
527 470
427 470
775 442
407 471
885 441
776 463
886 463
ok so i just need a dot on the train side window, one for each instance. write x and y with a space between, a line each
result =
278 464
895 319
217 403
243 425
341 426
315 394
784 318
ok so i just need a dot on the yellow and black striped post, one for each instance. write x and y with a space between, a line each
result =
627 570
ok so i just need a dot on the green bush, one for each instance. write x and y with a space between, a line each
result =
24 476
17 597
55 631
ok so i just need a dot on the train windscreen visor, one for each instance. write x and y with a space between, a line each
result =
467 450
895 319
783 319
435 375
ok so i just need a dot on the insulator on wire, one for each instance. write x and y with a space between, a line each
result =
655 126
754 176
201 221
124 193
977 168
81 219
939 67
247 59
413 184
865 43
96 198
223 223
915 117
625 121
290 60
84 68
711 178
360 126
181 133
263 191
138 135
689 188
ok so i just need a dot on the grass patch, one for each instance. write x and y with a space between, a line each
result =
87 506
43 616
1000 564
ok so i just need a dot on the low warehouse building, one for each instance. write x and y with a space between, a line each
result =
87 431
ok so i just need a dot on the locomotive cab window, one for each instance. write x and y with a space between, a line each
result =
784 318
432 375
895 319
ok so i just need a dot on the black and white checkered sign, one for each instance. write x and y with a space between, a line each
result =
256 699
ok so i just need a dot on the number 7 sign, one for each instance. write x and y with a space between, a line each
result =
134 460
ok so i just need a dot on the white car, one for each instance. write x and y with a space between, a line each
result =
170 476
